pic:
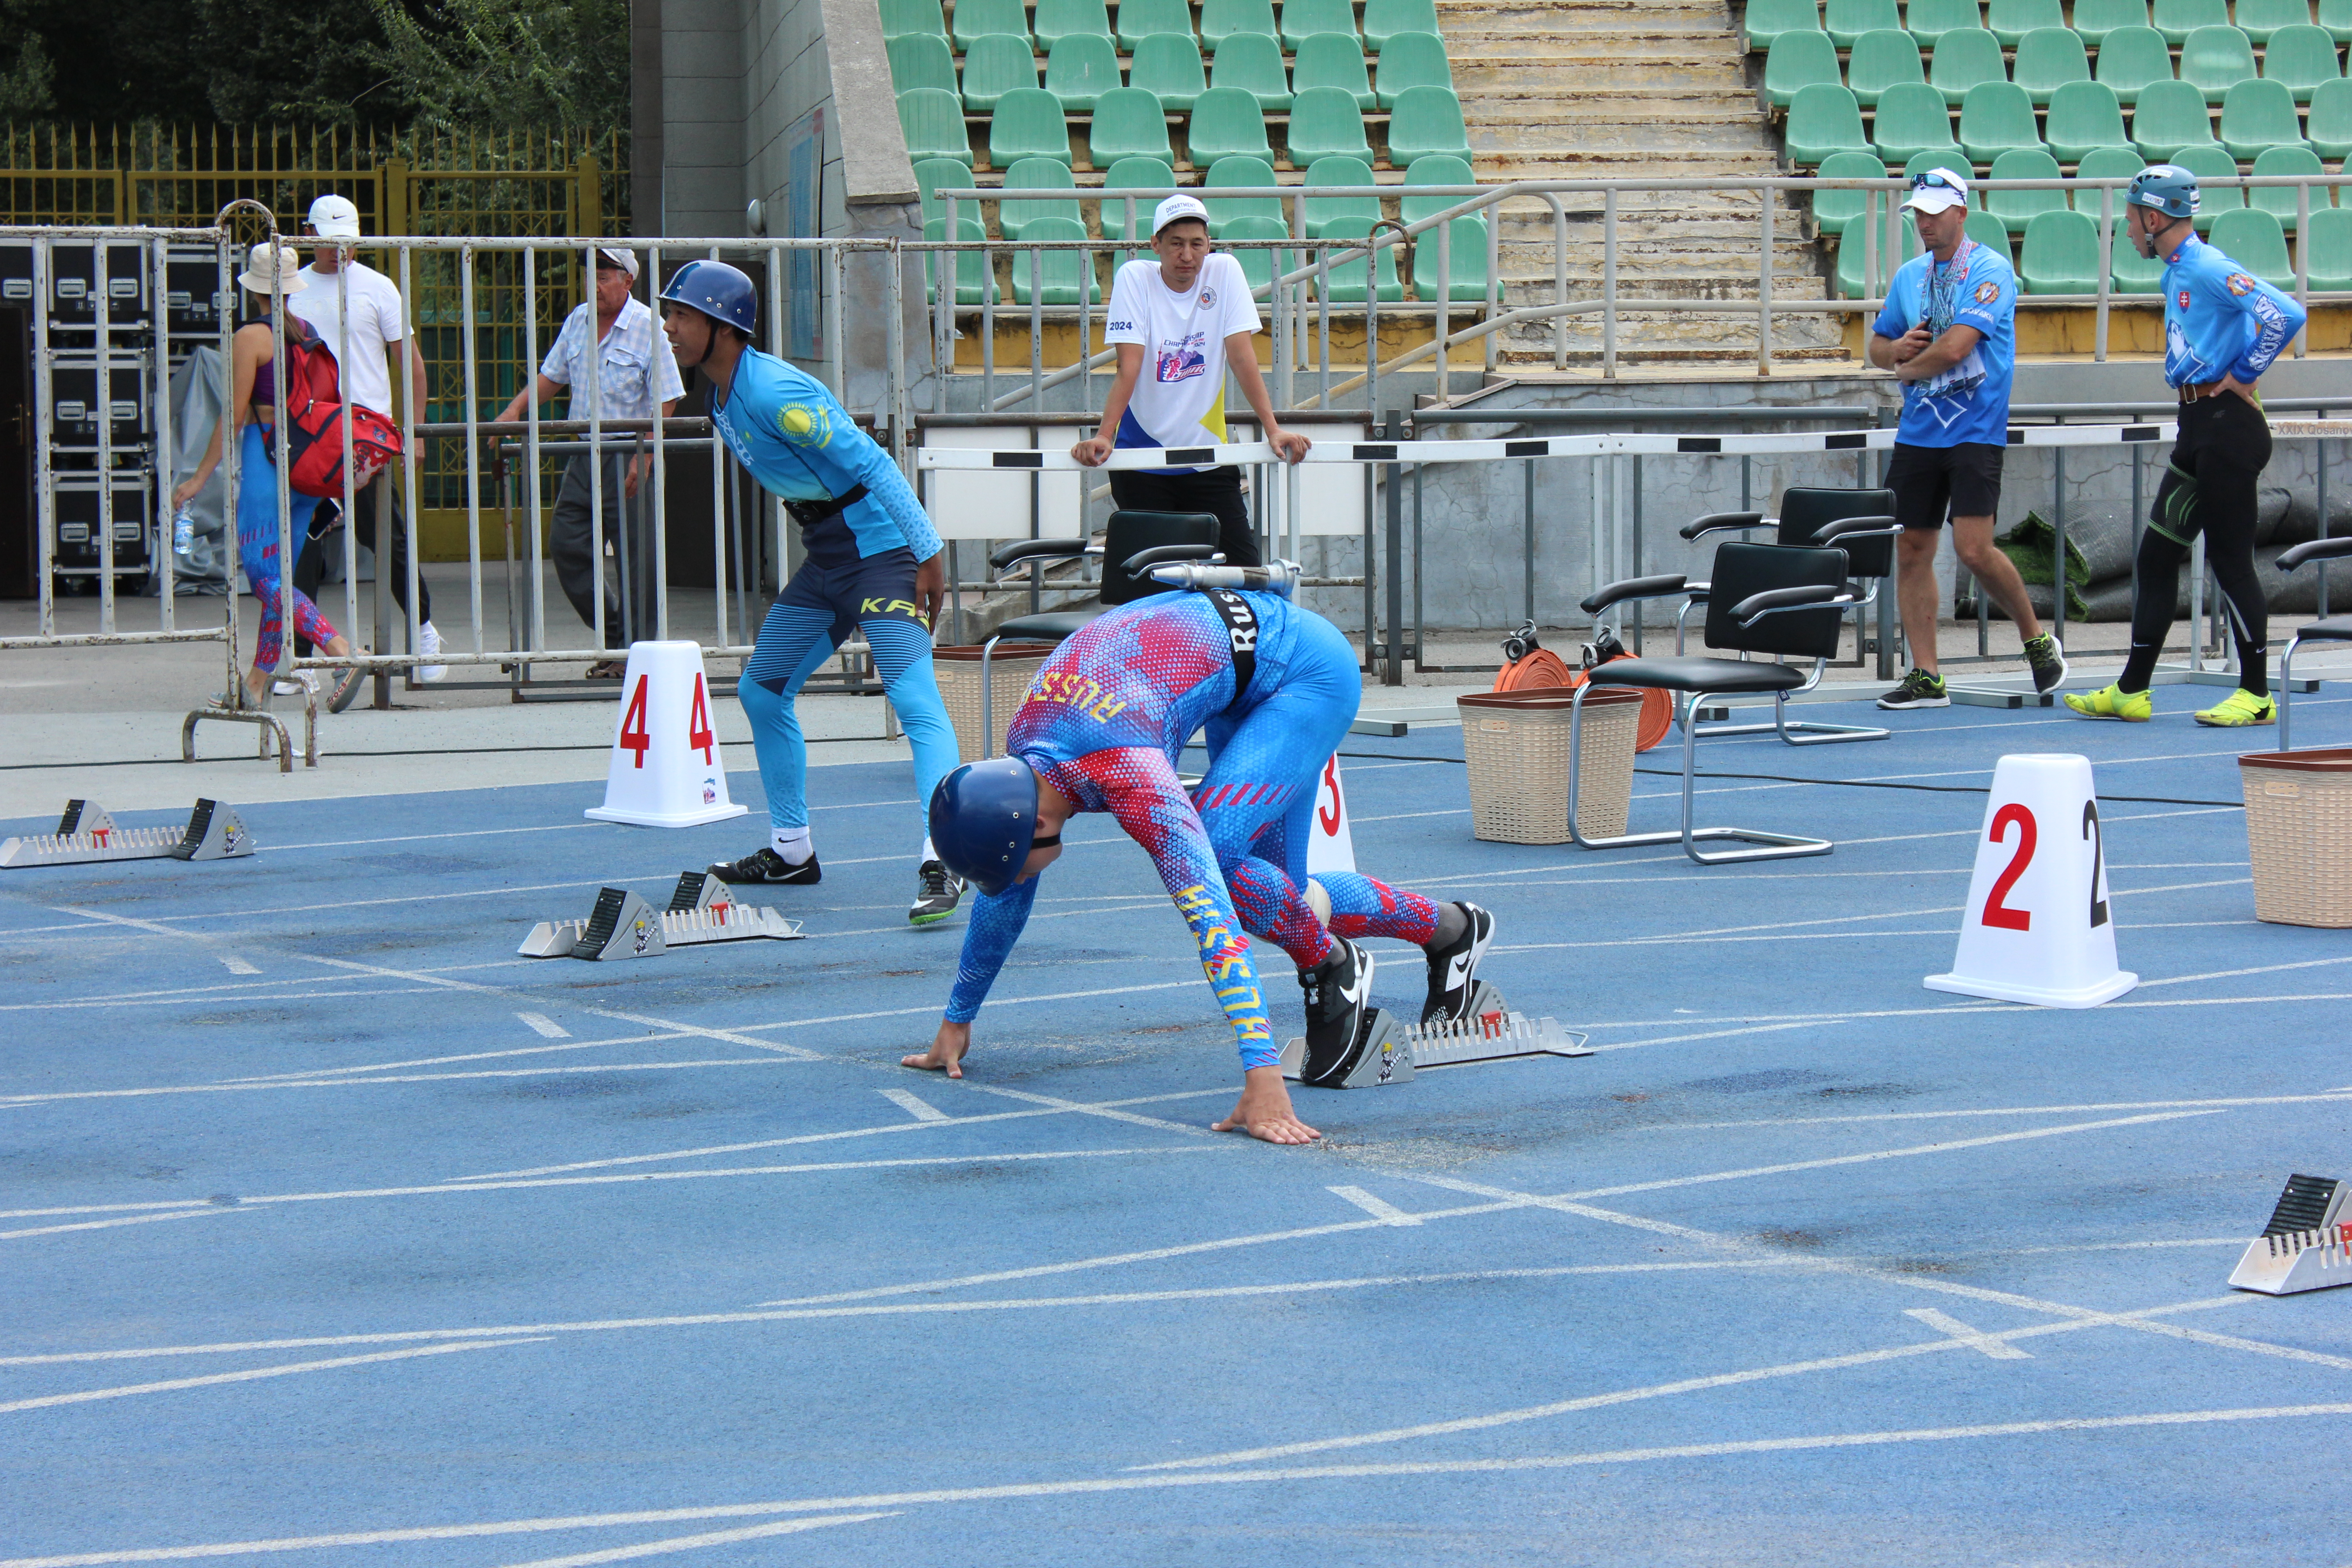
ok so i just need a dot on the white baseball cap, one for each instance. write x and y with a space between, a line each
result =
335 217
280 270
622 258
1175 209
1936 191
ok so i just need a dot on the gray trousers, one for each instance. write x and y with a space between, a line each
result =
628 534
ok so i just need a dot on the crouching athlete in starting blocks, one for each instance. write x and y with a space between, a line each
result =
875 565
1275 688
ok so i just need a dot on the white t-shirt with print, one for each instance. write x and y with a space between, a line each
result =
377 322
1180 398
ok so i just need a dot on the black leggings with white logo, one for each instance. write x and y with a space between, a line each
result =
2209 487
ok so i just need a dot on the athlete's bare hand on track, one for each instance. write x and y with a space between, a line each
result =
931 586
948 1047
1263 1111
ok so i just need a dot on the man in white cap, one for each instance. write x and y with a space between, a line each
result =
636 378
364 347
1950 334
1185 318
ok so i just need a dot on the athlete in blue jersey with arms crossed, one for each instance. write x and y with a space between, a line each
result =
2222 328
1275 688
874 565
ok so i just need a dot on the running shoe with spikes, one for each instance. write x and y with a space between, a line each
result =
2047 659
936 896
765 867
2239 709
1338 1013
2114 702
1918 690
1453 968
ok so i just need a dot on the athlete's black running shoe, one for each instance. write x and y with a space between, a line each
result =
1338 1013
1453 968
937 897
2047 659
767 868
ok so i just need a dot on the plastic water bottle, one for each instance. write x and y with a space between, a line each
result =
184 531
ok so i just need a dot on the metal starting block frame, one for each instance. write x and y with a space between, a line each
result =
1393 1053
622 925
86 833
2306 1246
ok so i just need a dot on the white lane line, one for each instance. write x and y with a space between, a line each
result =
2330 1098
639 1039
1379 1208
1721 1034
1976 1339
193 1212
708 1538
545 1028
260 995
914 1104
236 966
2233 973
399 1077
1106 1112
430 837
255 1373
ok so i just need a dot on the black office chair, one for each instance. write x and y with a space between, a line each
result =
2334 628
1870 557
1761 599
1168 535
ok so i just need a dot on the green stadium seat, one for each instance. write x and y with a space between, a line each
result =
1333 59
2105 164
1852 248
933 121
1013 218
2209 162
2059 254
978 18
1425 120
1128 123
1798 60
1465 260
1147 173
1768 20
973 276
1837 211
2259 19
2302 58
1417 60
1257 265
1966 56
1884 58
2084 115
1941 158
1322 211
2094 19
1822 120
1141 19
1059 19
930 174
2015 210
1058 272
1302 19
1227 123
2256 115
1846 20
2336 16
2327 250
1386 19
1995 117
2280 201
1221 19
2129 273
2176 19
2252 238
1080 69
1326 123
920 59
2131 58
1240 174
1439 169
1167 66
1991 233
2330 125
1348 285
902 18
2012 19
1252 63
2169 116
1929 20
1913 118
2217 60
2047 59
994 65
1028 124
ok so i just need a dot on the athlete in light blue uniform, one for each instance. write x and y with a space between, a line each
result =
873 567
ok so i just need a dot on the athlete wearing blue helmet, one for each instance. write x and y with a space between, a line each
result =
984 822
721 292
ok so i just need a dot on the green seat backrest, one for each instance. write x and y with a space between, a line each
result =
1913 118
1257 265
1465 259
2094 19
2131 58
2131 272
1028 124
1013 218
930 174
1846 20
2280 201
2302 58
2106 163
2259 19
1964 57
1944 158
1221 19
2259 114
2082 115
1439 169
1227 123
1929 20
2169 116
1417 59
1835 211
2252 238
2061 255
2048 58
1822 120
977 18
1140 19
1348 278
1080 69
1322 211
1128 123
2327 249
900 17
1059 19
1991 233
1995 117
973 276
2215 60
2336 16
1384 19
1333 59
2012 19
2330 123
1326 123
994 65
1425 120
1884 58
1060 277
932 120
1147 174
1795 61
1768 20
2176 19
2211 162
920 59
1252 63
1239 174
1302 19
2015 210
1168 66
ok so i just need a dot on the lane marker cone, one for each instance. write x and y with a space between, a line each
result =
1330 846
2036 928
666 770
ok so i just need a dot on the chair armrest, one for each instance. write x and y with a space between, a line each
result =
1846 528
2313 550
1661 587
1720 521
1038 549
1160 554
1777 601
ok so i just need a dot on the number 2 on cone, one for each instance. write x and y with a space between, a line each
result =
1998 915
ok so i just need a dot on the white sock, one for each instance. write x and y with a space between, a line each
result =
791 845
928 853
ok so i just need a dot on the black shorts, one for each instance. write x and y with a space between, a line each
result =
1931 483
851 591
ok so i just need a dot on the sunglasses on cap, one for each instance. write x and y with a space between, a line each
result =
1934 180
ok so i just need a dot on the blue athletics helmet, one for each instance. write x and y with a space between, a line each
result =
2167 187
983 821
720 291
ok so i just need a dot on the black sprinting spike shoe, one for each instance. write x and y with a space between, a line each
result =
767 868
937 896
1338 1013
2047 659
1454 967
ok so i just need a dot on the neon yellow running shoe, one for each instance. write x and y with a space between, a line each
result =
2114 702
2240 708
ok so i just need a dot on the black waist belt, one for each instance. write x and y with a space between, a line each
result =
809 514
1241 627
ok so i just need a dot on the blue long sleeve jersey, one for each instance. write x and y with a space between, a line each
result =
800 444
2219 319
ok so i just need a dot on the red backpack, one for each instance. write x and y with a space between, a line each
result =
314 419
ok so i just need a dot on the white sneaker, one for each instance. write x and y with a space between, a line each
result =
429 643
299 683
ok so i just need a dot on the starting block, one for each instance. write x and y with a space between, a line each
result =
1392 1052
702 908
2306 1246
86 833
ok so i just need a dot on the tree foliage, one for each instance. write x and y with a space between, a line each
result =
510 64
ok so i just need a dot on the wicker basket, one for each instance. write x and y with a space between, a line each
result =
1517 745
2299 831
1010 670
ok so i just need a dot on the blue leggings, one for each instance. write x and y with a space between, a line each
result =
256 551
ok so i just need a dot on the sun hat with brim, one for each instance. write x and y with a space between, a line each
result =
1938 191
1176 209
285 277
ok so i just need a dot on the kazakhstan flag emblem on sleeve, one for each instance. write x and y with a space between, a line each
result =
805 424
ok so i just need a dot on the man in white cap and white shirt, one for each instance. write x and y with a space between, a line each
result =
636 378
364 349
1178 323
